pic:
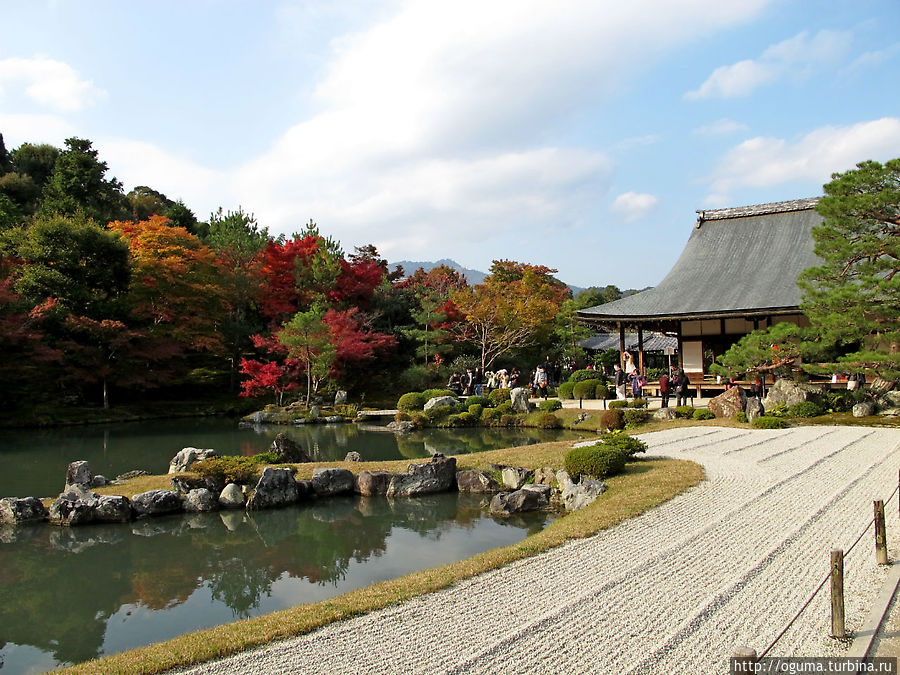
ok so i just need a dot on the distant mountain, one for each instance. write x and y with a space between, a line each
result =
409 266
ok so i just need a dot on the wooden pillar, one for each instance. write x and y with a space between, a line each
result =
621 345
640 348
680 346
881 556
837 594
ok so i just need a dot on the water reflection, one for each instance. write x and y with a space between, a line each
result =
74 594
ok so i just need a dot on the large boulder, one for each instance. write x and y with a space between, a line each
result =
787 392
664 414
156 503
507 503
578 495
78 473
276 487
729 403
753 408
476 480
519 398
864 409
515 476
75 506
19 510
186 456
340 397
439 401
438 475
113 509
327 482
371 483
232 497
545 476
403 427
200 500
288 450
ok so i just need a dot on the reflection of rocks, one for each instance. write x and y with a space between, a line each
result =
156 503
332 510
475 480
327 482
15 511
276 487
438 475
232 519
77 540
186 456
369 483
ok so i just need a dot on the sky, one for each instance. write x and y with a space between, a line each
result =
580 135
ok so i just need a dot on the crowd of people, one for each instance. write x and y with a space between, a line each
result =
477 382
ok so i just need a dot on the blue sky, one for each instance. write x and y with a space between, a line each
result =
582 135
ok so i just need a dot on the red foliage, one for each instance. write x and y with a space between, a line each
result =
280 299
352 341
277 376
357 282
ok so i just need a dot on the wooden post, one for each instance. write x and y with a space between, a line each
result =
743 658
837 593
881 556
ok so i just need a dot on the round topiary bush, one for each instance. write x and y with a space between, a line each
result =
703 414
565 390
583 375
640 403
506 408
412 401
507 420
586 389
740 417
464 419
499 396
476 409
437 393
549 421
598 461
627 444
684 411
612 419
805 409
601 392
491 417
402 417
766 422
550 405
483 401
635 416
618 404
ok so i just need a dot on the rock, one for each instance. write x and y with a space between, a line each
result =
276 487
340 398
728 404
327 482
476 480
231 497
563 479
578 495
156 503
113 509
864 409
438 475
787 392
890 399
289 450
128 475
314 413
753 408
78 473
507 503
200 501
515 476
75 506
353 456
98 481
664 414
371 483
404 427
439 401
19 510
540 488
890 412
333 419
187 456
519 397
545 476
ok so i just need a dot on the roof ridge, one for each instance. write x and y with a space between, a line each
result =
758 209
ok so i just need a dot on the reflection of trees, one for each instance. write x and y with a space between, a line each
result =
239 584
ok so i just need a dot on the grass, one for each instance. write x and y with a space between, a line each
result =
644 485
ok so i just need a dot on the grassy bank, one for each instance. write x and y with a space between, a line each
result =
645 484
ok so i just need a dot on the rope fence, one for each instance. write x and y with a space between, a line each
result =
835 575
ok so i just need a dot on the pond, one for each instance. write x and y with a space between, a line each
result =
71 594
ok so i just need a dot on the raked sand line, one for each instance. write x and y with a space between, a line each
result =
674 590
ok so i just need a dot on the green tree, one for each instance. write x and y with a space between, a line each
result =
853 298
146 202
181 216
79 184
778 348
308 340
6 162
36 161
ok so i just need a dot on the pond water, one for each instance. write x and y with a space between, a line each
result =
71 594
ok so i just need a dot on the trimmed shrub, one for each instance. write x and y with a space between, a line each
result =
565 390
507 420
703 414
635 416
740 417
583 375
499 396
506 408
460 407
618 404
601 392
612 419
684 411
549 421
598 461
436 393
640 403
465 419
586 389
476 409
412 401
228 469
483 401
627 444
766 422
550 405
491 417
402 417
437 414
805 409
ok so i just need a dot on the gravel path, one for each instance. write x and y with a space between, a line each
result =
675 590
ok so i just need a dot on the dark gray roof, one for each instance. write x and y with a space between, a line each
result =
737 261
653 342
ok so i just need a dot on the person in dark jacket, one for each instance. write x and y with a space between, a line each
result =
682 384
664 390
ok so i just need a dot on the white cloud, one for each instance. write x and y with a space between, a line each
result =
632 206
871 59
766 162
50 83
794 57
720 128
23 128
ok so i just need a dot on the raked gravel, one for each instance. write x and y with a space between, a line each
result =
675 590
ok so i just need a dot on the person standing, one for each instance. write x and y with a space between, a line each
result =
540 381
620 382
664 390
681 388
478 381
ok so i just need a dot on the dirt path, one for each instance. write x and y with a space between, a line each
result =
675 590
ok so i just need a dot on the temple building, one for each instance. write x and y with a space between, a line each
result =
738 272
